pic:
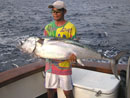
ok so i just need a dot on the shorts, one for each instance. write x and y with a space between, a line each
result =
53 81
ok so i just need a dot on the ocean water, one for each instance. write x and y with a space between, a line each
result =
102 24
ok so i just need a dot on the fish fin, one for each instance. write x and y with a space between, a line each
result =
114 63
119 55
80 62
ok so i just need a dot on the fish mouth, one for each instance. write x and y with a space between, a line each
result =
21 42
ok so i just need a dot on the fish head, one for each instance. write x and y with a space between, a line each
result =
28 45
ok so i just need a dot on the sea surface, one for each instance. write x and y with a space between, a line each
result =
102 24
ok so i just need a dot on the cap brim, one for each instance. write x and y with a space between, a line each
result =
50 6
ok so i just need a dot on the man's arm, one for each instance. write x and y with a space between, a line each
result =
72 58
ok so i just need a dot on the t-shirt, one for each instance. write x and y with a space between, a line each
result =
68 31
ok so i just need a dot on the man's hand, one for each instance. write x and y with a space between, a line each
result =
72 58
40 41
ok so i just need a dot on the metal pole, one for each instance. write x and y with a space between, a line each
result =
128 80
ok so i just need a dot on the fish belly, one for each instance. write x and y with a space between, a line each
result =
61 50
53 52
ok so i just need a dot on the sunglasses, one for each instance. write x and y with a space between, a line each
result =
56 11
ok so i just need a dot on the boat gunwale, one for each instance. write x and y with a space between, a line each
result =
15 74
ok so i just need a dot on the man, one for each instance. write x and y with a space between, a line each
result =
58 73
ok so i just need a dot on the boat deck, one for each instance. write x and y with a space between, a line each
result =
12 76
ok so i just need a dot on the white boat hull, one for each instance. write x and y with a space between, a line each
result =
29 87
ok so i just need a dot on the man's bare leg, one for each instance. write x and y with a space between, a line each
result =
69 94
50 93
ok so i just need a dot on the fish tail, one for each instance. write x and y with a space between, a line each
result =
128 80
114 63
119 55
114 68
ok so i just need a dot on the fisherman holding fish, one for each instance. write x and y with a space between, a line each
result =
58 72
61 54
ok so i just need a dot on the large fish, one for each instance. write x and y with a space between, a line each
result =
61 49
